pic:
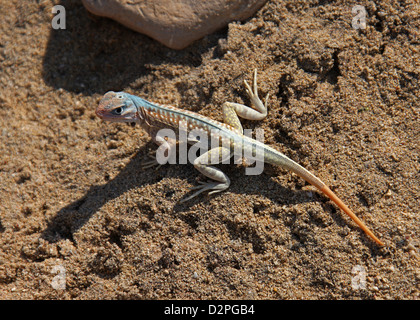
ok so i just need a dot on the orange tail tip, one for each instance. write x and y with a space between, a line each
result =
350 213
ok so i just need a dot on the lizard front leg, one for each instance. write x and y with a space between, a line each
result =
166 149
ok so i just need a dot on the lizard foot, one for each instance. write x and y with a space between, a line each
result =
204 186
253 95
151 163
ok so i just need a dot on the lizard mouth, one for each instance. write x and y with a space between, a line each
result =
99 112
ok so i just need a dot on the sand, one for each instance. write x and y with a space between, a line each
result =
81 219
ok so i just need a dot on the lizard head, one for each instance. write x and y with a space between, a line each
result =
117 107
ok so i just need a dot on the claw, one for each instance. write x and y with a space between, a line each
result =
248 89
255 83
266 99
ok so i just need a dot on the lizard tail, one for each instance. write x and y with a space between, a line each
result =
281 160
327 191
315 181
275 157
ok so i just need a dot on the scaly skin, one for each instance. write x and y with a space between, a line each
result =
123 107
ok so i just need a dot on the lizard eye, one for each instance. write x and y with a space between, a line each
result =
117 111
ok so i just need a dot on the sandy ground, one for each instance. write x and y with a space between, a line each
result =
75 204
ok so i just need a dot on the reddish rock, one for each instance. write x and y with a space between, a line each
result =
175 23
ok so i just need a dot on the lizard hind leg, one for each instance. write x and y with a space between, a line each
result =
219 180
232 110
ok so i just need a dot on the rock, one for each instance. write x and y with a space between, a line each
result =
174 23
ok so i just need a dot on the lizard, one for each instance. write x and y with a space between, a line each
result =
125 107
